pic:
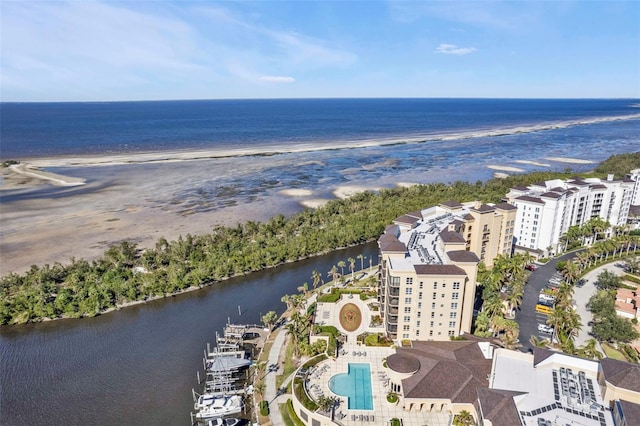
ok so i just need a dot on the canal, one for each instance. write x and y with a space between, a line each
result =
136 366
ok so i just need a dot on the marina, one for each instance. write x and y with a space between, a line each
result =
226 377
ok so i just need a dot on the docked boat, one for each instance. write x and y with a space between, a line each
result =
222 406
223 422
205 400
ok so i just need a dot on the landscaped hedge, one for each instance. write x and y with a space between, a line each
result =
264 408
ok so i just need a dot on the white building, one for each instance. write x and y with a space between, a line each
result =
547 209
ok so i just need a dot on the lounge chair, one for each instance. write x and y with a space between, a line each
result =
360 417
366 418
353 417
364 354
373 418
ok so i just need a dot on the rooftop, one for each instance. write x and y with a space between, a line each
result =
553 386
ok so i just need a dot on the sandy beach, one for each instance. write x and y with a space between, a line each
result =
505 168
533 163
570 160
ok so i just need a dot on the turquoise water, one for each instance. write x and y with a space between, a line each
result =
355 385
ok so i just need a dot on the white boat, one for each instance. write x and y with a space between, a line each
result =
223 422
219 407
205 400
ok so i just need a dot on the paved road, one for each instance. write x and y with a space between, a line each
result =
527 317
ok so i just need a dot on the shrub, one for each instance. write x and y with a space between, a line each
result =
264 408
396 422
631 278
292 414
392 397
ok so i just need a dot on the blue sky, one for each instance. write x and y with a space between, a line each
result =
147 50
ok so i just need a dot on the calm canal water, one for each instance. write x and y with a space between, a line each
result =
135 366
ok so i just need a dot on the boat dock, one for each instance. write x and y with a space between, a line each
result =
226 367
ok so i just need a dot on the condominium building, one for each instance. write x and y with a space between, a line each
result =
547 209
429 264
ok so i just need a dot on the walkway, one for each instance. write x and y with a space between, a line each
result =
271 393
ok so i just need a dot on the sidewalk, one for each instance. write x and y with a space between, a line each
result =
270 379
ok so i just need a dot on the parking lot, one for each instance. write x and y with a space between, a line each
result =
527 316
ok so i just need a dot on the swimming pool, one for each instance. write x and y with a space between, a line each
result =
355 385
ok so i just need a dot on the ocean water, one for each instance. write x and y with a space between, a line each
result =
200 156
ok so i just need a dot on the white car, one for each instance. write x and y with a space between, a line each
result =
544 328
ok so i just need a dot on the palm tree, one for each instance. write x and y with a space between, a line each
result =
464 418
538 343
589 350
341 265
287 299
571 272
362 258
352 266
315 275
304 288
493 306
333 273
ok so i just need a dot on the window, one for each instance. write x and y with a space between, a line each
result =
444 285
456 286
407 300
434 296
452 324
431 324
407 318
417 333
454 305
453 314
452 333
405 327
433 306
409 281
407 309
430 332
405 336
419 295
408 290
433 314
454 296
435 286
419 314
421 285
395 281
443 295
417 323
419 305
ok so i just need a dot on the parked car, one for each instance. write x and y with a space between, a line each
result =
544 328
531 267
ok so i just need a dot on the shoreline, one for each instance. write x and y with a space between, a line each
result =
168 156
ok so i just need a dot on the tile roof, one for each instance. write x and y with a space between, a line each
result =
485 208
506 206
448 370
530 199
621 374
451 203
463 256
631 413
551 195
439 270
388 242
451 237
499 407
408 219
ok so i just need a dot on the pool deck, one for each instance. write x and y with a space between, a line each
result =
382 410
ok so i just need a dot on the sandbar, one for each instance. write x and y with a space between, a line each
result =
30 171
570 160
343 192
504 168
406 184
533 163
297 192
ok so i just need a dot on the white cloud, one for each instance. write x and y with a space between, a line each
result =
452 49
276 79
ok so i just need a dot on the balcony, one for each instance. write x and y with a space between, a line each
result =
392 329
393 301
393 292
392 285
392 319
392 311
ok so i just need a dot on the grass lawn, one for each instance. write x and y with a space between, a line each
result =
613 352
289 366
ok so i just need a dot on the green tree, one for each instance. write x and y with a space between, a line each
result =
464 418
269 319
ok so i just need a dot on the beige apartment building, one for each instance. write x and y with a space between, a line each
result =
429 263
